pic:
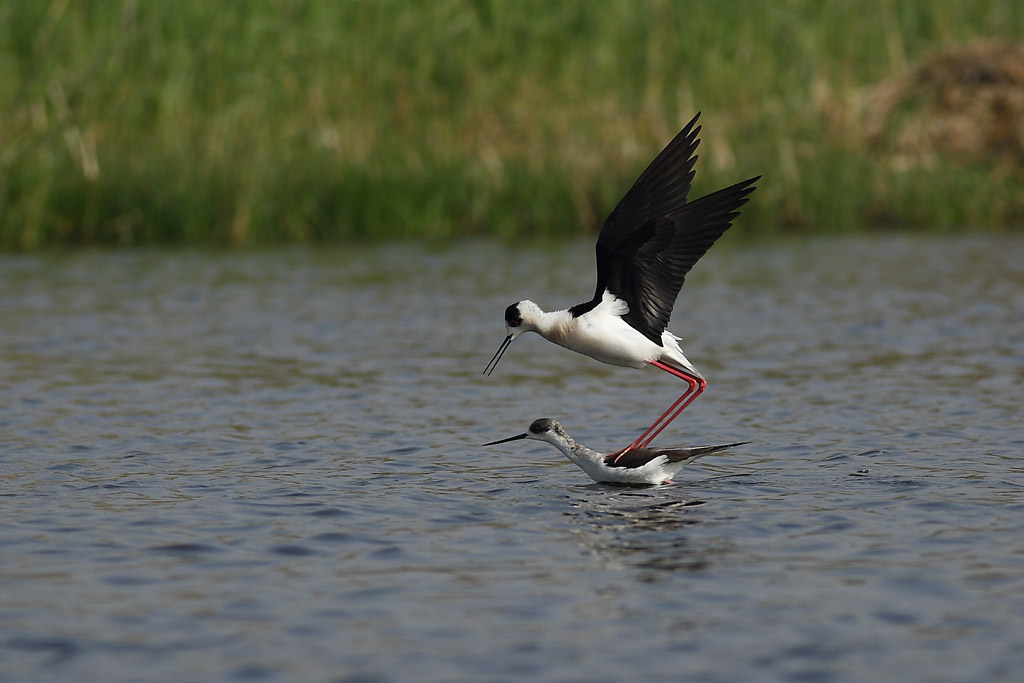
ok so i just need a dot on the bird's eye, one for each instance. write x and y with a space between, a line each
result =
512 323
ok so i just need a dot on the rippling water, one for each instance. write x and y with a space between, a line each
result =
265 466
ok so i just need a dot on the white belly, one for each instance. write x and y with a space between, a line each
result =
610 340
602 334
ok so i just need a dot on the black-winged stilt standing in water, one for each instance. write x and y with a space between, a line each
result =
646 247
638 466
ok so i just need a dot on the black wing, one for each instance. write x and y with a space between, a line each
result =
653 237
660 189
638 457
649 275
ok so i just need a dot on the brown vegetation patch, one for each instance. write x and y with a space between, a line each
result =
964 104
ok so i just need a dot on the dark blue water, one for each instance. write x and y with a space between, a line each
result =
265 466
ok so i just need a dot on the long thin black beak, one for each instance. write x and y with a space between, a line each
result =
511 438
497 355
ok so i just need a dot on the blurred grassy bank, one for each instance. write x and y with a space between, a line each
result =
269 121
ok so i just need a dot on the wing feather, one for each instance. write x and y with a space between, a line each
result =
654 237
638 457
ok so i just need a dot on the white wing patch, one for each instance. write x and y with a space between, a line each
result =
612 305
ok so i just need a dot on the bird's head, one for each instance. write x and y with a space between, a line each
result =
543 429
520 317
546 429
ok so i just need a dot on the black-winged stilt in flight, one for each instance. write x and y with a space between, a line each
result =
638 466
646 247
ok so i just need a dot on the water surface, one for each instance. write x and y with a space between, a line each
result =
266 466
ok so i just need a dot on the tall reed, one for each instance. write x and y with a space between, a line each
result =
272 121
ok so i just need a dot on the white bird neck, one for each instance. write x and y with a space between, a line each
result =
576 452
549 324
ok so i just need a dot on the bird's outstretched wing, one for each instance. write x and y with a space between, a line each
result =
653 237
649 274
660 189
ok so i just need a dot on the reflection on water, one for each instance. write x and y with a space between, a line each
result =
638 533
266 466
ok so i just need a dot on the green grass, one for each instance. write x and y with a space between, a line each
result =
273 121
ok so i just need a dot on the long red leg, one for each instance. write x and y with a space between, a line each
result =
642 440
694 389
